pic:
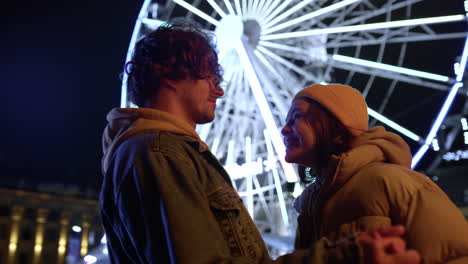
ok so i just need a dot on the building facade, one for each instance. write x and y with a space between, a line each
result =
40 227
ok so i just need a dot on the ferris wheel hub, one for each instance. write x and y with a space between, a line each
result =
252 31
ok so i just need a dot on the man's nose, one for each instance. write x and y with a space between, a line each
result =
219 91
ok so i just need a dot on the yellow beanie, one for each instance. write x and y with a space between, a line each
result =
346 103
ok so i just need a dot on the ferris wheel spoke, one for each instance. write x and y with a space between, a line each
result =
372 26
388 75
216 7
244 8
411 38
268 65
376 12
254 10
238 7
248 11
229 7
385 101
347 12
152 23
394 125
391 68
272 91
287 13
197 12
269 29
260 8
282 47
267 10
286 63
277 10
263 200
265 111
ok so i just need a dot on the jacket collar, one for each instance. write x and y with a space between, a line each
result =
126 122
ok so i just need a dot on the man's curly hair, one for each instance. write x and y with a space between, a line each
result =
171 52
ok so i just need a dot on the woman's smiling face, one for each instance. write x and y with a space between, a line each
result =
300 137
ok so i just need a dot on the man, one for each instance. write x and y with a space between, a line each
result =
165 197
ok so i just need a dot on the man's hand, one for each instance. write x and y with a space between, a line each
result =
385 246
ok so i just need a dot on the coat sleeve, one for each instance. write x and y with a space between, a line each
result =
167 217
436 227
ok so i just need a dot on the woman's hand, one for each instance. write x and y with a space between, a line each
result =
385 246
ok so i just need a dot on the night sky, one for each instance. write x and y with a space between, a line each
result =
61 61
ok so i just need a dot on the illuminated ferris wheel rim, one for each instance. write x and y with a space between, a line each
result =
270 23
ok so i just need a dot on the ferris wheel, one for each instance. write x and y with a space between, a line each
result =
269 49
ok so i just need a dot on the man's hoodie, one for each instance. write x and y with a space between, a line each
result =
126 122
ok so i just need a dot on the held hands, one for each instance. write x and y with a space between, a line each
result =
385 246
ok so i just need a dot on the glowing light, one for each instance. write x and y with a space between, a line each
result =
317 13
285 14
456 156
229 7
435 127
76 229
238 8
456 68
230 153
444 110
12 246
276 179
281 46
38 248
465 136
104 240
90 259
152 23
419 155
216 8
462 66
238 171
387 67
266 12
435 145
381 25
464 123
285 62
228 32
61 249
215 145
248 149
265 111
268 64
136 29
297 190
196 11
393 125
277 9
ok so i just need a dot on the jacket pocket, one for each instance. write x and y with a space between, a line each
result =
239 231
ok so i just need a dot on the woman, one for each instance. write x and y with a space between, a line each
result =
364 179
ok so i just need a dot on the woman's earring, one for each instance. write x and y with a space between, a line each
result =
310 175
